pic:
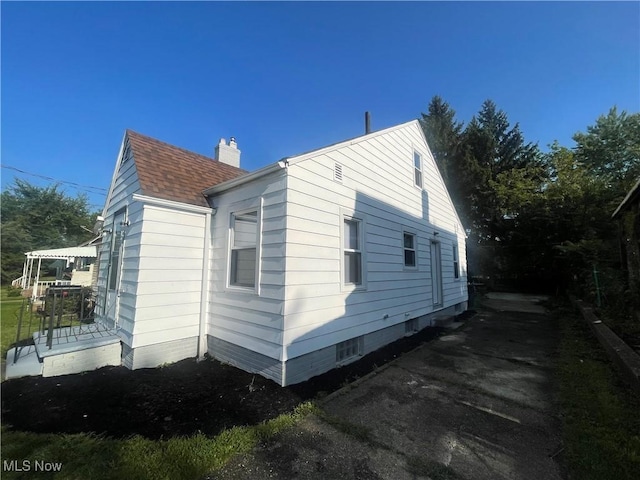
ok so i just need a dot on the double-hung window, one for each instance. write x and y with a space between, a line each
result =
417 167
409 250
244 234
456 262
352 249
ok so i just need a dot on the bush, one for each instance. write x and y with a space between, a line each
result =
13 291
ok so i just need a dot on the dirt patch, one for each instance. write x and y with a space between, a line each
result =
180 399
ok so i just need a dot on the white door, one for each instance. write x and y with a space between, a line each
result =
436 274
114 269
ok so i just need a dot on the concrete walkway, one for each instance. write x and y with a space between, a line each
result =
475 404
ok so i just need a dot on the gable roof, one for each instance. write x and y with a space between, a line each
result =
173 173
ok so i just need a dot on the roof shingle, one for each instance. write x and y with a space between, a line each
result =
173 173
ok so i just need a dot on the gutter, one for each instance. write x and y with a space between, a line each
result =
236 182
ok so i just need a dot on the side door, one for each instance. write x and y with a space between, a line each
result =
115 268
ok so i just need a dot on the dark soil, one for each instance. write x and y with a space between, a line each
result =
180 399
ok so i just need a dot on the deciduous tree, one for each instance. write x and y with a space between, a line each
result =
39 218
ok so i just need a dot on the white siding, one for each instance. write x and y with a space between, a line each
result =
162 262
378 187
251 319
169 276
125 183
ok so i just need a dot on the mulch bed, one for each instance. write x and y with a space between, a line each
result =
180 399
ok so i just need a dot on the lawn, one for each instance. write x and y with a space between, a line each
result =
600 414
9 312
99 458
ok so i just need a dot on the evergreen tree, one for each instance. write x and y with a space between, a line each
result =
35 218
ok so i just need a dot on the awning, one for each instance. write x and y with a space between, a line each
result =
69 252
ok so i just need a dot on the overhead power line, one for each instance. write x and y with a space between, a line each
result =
88 188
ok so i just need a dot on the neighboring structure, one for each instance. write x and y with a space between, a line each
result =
287 271
80 259
628 214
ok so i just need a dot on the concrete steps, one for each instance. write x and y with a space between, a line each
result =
73 350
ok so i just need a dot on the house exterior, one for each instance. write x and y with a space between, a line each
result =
287 271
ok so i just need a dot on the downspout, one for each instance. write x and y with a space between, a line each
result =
204 292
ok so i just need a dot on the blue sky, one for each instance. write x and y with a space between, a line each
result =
289 77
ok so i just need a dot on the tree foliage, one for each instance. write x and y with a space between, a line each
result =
610 149
543 216
36 218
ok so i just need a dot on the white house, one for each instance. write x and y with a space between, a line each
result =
287 271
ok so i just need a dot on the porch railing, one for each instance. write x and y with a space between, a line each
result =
40 289
62 306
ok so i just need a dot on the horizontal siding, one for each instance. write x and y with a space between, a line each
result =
164 335
246 319
124 185
165 276
155 355
245 359
378 185
302 367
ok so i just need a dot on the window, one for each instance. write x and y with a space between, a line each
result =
409 250
417 164
456 263
348 349
352 251
244 233
117 235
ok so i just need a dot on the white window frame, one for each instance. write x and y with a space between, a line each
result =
349 350
348 286
456 260
414 250
231 248
418 170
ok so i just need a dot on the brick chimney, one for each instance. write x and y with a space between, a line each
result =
228 153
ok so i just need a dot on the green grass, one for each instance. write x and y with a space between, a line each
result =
183 458
9 310
600 414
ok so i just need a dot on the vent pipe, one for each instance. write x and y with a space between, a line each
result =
367 123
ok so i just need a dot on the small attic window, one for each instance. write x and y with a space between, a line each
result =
337 172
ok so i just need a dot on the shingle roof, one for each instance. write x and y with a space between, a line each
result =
173 173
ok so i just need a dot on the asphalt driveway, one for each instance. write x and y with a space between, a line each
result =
478 403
